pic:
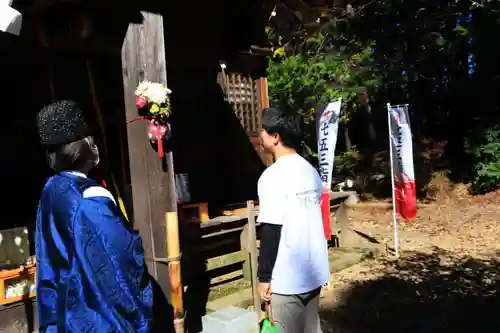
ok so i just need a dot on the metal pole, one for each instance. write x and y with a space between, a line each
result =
395 220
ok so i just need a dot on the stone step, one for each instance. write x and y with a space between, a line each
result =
231 320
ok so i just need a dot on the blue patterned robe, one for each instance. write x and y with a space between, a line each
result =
91 275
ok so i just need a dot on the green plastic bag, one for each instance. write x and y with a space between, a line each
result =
267 325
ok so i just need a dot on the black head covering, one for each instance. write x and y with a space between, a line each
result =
61 122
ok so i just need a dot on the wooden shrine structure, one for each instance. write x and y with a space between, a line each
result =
96 52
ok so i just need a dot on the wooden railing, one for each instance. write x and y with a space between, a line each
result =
219 233
244 220
226 226
222 231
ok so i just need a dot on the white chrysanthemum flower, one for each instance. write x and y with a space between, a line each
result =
156 93
142 87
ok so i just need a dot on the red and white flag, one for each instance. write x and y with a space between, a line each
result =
327 128
328 118
404 196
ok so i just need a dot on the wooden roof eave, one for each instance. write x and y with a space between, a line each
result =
249 41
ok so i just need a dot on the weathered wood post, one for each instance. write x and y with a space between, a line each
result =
153 191
248 241
247 271
341 216
252 254
343 221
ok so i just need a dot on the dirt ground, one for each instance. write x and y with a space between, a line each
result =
446 279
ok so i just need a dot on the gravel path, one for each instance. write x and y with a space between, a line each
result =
446 279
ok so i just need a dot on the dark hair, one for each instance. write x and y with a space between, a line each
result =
277 119
69 156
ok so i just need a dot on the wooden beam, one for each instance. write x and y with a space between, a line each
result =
257 50
382 205
226 260
143 57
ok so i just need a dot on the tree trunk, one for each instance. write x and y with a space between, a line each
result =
348 142
371 126
365 102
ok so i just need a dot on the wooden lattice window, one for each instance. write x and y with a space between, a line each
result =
242 92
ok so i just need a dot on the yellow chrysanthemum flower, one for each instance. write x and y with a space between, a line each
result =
154 108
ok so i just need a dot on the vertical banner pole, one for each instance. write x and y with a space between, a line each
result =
394 216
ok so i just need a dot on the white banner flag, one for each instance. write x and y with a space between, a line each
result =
327 119
404 194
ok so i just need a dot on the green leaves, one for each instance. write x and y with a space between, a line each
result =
484 148
319 74
303 81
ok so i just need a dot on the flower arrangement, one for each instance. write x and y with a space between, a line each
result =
155 97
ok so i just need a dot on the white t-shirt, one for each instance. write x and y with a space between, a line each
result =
289 195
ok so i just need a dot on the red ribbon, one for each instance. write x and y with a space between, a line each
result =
141 117
156 131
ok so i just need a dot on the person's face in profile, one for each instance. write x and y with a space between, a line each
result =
268 141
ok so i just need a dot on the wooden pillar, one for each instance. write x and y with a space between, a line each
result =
263 93
143 57
263 90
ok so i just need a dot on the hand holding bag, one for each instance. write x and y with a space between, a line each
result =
267 325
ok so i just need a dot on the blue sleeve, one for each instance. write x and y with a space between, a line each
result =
49 329
52 242
112 257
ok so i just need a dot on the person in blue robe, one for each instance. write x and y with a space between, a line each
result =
91 275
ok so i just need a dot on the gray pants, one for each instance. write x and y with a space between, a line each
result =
297 313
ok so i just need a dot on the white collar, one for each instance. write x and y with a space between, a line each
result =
77 173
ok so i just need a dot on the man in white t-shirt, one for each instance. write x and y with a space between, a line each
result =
293 260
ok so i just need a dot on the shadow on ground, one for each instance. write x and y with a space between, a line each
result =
424 293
